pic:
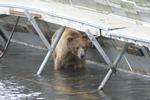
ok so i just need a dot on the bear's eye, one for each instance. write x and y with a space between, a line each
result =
77 48
84 47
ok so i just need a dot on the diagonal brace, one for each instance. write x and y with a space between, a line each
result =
9 39
98 47
53 45
3 36
106 58
36 27
47 44
117 60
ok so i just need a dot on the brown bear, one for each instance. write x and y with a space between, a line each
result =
70 50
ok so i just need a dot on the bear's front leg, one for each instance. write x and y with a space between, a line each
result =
58 64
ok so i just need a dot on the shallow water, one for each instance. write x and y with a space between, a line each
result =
19 82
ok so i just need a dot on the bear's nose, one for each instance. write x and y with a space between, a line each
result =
82 56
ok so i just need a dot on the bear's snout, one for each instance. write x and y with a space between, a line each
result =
82 56
81 53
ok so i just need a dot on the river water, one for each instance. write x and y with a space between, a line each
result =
19 82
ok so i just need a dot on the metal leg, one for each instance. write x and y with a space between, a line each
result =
47 44
36 27
98 47
106 58
3 36
117 60
8 40
53 45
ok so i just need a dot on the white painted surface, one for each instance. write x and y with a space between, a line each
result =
81 19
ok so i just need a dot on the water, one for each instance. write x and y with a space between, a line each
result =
19 82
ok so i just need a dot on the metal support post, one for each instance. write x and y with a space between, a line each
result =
117 60
106 58
8 40
53 45
98 47
50 48
47 44
36 27
3 36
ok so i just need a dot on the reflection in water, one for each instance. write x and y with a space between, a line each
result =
70 86
103 96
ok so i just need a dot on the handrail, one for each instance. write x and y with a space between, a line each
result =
53 14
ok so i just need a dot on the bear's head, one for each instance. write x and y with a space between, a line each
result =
77 46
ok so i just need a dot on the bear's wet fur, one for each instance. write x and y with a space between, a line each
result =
70 50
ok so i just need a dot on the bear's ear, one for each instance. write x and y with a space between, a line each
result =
88 41
70 39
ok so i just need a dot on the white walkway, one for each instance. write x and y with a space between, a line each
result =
112 26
